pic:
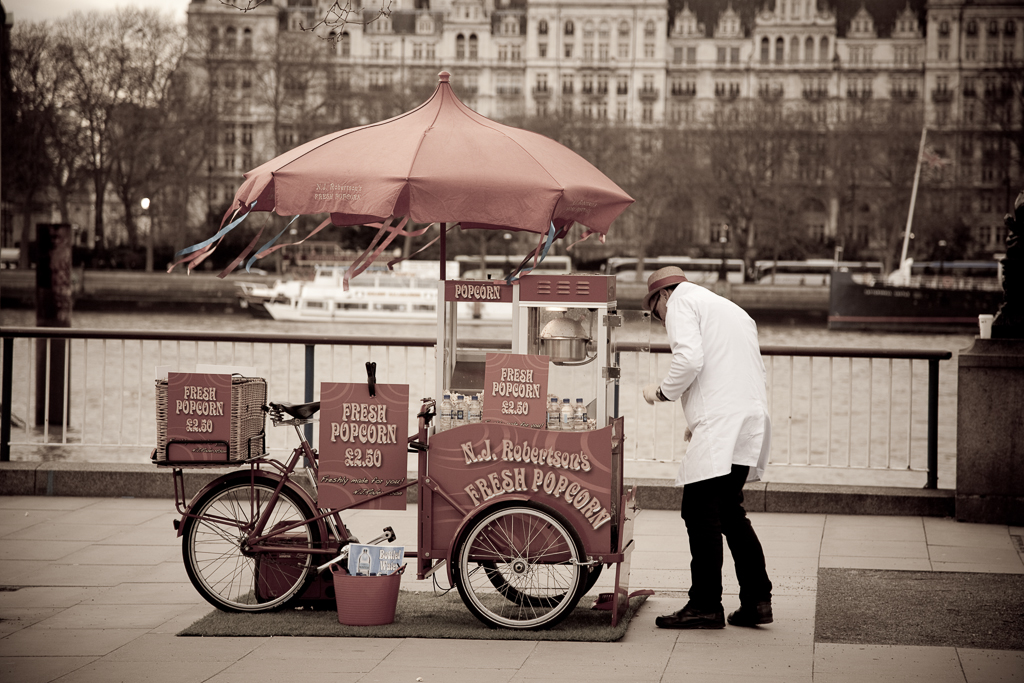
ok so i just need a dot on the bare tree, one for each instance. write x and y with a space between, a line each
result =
138 123
746 150
27 118
333 17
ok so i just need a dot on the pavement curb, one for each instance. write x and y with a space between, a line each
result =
111 480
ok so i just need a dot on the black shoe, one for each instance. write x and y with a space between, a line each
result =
752 615
688 617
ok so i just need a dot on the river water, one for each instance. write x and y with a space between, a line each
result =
106 398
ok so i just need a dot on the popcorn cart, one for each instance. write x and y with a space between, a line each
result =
524 505
526 510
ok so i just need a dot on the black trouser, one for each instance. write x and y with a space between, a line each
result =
711 508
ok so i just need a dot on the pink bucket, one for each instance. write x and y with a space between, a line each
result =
366 600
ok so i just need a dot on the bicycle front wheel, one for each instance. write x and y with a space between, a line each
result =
519 567
219 562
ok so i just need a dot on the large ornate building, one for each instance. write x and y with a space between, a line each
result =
954 66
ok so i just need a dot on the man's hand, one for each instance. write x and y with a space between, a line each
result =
651 394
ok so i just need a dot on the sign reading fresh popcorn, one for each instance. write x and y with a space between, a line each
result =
515 389
198 416
363 445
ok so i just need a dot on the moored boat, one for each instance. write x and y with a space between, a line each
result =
937 297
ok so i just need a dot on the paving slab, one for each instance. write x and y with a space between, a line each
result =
40 669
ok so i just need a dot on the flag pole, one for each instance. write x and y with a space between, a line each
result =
913 200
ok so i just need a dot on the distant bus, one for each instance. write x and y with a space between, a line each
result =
813 272
498 267
702 271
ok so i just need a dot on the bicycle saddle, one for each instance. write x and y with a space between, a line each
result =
302 411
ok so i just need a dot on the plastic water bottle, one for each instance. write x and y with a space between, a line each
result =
476 412
553 414
565 423
444 418
363 563
579 416
459 416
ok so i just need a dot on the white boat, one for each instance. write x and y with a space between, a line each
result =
406 294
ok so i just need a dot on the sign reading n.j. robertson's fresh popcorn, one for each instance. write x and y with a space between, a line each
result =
363 445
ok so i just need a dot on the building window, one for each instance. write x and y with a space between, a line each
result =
346 45
568 50
602 84
780 49
794 50
691 55
602 52
542 27
734 55
542 50
648 50
764 50
566 84
677 55
569 28
823 53
943 29
1011 27
972 28
721 55
503 53
993 28
247 41
588 52
622 88
621 111
648 113
649 29
460 46
623 50
473 46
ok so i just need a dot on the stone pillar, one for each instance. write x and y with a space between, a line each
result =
990 433
54 298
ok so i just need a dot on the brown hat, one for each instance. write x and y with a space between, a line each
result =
659 280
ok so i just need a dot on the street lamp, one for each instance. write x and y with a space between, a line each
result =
723 239
149 234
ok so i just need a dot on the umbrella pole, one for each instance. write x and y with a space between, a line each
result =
444 258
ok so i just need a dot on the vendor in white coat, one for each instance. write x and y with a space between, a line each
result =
718 372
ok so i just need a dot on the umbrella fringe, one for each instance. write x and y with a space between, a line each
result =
451 226
540 252
199 252
366 258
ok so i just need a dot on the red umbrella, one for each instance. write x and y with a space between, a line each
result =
439 163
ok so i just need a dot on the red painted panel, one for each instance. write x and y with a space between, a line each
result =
363 445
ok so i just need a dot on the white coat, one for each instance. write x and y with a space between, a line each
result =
718 372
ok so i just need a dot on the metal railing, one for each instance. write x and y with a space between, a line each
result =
832 408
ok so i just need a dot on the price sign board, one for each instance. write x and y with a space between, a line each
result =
363 445
515 389
198 416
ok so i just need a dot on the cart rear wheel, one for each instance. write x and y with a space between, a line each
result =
518 567
227 574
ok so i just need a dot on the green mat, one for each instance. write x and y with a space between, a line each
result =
889 607
420 614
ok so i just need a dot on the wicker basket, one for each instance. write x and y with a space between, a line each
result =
248 395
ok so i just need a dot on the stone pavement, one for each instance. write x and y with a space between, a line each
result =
94 589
